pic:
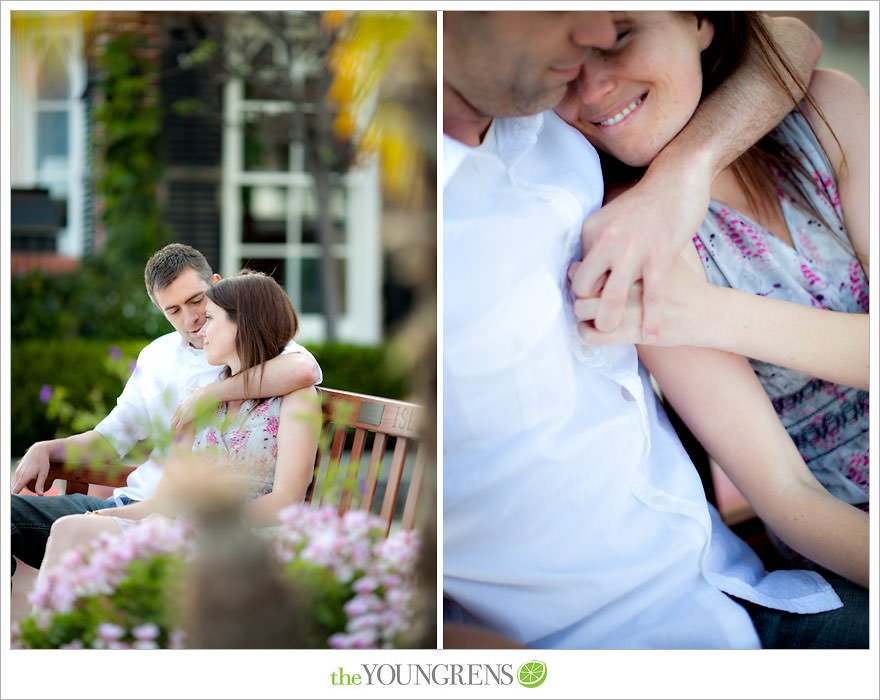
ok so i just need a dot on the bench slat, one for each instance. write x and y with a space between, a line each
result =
343 411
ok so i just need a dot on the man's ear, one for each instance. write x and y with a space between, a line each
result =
215 277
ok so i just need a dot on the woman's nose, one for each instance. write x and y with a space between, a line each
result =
596 81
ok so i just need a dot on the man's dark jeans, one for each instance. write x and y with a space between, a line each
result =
32 518
844 628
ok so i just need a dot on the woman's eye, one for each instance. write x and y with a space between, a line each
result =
622 34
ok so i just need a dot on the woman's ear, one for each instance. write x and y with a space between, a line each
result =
705 32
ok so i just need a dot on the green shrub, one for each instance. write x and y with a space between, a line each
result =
79 366
95 301
365 370
76 365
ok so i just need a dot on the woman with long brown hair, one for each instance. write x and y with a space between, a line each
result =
777 272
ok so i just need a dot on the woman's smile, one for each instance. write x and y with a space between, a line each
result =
618 115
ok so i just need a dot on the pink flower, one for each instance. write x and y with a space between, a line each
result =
176 639
72 558
391 580
63 596
145 644
146 632
339 641
367 621
365 584
109 632
362 604
363 639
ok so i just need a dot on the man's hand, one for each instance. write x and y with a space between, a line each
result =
683 310
637 236
33 466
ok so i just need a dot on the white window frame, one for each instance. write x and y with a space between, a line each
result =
361 321
65 31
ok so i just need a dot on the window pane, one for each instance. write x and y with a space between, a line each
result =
275 267
309 214
267 142
264 83
52 140
264 214
52 81
310 269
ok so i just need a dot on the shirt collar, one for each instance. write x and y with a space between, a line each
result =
509 137
454 154
184 343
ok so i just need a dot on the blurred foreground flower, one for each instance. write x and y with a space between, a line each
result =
107 594
384 65
366 580
123 590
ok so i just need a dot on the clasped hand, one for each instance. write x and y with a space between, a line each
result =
634 240
682 305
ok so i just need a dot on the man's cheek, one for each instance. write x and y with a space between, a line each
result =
570 106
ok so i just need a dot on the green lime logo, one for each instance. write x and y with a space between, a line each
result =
532 673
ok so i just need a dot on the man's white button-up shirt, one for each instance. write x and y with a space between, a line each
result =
572 516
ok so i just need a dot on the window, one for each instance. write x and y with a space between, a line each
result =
48 116
270 212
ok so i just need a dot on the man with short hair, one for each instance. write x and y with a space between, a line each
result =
572 517
171 377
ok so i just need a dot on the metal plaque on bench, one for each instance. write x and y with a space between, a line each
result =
370 413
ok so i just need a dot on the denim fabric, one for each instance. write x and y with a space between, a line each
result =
844 628
32 518
453 612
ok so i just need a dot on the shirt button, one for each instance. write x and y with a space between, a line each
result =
627 394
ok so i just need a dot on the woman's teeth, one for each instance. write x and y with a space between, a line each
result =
620 115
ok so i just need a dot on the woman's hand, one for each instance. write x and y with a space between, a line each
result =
683 305
188 409
635 239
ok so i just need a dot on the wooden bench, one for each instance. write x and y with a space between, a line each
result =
353 424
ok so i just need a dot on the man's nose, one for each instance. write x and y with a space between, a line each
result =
593 29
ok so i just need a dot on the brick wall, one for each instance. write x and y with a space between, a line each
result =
53 263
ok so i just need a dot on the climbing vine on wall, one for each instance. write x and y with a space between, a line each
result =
127 149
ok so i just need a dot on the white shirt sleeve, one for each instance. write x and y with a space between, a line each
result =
130 420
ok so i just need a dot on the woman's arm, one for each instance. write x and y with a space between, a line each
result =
844 104
830 345
721 400
298 430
